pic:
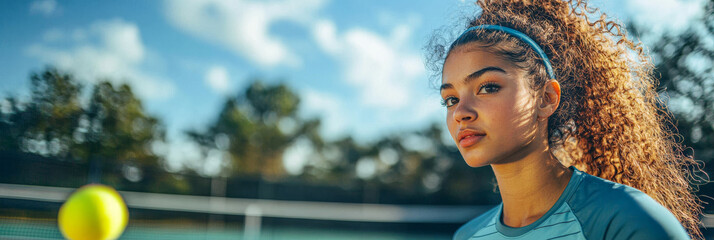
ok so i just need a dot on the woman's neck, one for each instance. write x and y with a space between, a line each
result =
530 186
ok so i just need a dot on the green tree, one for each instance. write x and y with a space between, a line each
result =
46 123
14 123
431 167
683 63
117 132
254 128
113 131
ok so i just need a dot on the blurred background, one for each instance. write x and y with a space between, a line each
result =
299 119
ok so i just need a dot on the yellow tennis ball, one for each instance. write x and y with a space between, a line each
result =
95 212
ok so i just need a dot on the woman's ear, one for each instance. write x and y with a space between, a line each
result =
549 99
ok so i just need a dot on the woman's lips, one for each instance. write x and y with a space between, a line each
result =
468 137
470 140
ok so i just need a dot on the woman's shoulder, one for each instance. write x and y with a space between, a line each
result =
612 210
597 192
480 223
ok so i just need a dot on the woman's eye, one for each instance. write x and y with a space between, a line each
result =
489 88
449 101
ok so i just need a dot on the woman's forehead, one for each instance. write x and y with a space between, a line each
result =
464 60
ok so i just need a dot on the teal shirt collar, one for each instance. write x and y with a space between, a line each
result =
567 193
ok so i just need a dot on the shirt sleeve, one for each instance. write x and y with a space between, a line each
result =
610 210
644 218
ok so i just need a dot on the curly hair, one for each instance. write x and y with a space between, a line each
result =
610 122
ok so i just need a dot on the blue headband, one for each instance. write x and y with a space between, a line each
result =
523 37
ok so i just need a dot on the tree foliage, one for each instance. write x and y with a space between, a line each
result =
253 129
44 125
112 130
684 64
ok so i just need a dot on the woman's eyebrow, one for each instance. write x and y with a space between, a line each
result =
472 76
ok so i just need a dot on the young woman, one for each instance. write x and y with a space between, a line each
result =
564 110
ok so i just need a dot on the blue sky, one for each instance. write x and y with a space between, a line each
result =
356 64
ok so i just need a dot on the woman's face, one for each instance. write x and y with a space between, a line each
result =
491 111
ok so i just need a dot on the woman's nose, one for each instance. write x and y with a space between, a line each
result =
464 112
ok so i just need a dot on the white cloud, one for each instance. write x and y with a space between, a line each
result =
242 25
217 78
53 35
429 107
116 54
388 77
383 69
325 33
79 35
44 7
341 117
329 108
665 15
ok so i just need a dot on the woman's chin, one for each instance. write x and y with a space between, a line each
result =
474 158
474 163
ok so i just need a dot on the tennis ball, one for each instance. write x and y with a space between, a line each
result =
94 212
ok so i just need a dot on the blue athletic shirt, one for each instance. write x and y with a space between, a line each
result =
589 208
